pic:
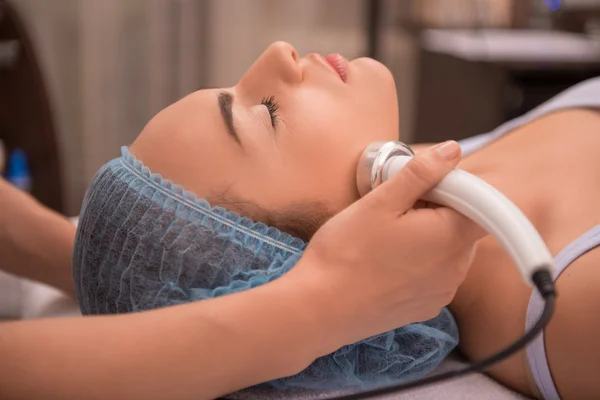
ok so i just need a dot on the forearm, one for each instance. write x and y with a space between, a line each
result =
35 242
197 351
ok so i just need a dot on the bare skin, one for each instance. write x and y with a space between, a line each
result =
323 123
550 169
35 242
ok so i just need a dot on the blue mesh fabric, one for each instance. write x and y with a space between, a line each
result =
143 243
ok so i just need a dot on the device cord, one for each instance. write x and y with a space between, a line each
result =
545 285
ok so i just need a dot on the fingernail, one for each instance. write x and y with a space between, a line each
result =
448 150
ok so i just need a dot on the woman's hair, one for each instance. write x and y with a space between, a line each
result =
144 242
300 219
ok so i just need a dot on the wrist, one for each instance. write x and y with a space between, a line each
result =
321 305
312 316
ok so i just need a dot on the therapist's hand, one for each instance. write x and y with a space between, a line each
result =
35 242
381 264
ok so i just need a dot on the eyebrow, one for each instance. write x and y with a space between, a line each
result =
225 101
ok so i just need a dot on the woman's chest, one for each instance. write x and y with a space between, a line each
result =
551 170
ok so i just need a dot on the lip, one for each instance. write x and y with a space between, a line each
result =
335 63
339 64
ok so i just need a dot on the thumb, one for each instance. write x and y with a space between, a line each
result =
418 176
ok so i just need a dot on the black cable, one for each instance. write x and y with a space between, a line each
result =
543 282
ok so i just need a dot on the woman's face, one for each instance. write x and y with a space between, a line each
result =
290 132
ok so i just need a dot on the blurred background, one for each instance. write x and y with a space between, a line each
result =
80 78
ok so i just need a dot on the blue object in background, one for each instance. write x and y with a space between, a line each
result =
553 4
17 171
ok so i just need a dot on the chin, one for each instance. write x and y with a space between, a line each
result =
371 69
371 76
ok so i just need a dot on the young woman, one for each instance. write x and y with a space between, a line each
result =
265 163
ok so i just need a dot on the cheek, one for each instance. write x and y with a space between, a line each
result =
320 134
300 166
334 136
320 161
375 100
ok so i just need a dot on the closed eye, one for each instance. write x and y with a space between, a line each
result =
272 107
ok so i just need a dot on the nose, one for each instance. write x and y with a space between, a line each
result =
282 59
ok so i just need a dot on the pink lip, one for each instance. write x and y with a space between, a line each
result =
339 64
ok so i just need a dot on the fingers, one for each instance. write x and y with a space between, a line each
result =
446 229
419 176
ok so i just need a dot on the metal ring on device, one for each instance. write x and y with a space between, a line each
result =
370 167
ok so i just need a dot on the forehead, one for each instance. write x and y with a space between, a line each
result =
188 143
194 120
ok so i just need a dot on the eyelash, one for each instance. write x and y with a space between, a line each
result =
272 106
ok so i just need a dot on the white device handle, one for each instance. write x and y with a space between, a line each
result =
485 205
